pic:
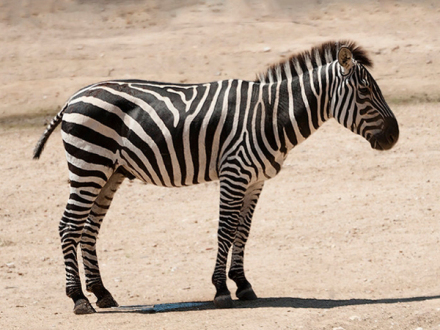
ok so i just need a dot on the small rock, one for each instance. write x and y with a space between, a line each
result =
266 49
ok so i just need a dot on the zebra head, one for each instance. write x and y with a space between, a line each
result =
360 105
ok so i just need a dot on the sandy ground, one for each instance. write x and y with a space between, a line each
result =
344 238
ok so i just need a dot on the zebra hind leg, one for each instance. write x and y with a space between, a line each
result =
236 272
71 226
89 236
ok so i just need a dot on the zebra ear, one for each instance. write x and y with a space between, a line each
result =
345 59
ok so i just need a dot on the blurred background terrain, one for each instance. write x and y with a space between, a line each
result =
56 47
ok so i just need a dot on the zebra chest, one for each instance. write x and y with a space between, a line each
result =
253 163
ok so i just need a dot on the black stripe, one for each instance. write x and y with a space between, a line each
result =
348 106
301 115
283 116
76 184
269 116
89 157
229 120
194 130
254 131
213 123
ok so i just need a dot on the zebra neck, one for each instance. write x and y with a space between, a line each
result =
303 104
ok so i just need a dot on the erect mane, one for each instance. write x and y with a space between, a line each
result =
315 57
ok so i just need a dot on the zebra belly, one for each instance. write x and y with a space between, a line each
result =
163 162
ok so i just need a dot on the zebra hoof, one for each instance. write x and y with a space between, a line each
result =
107 302
83 306
246 294
223 301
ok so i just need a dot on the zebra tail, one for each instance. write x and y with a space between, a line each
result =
49 129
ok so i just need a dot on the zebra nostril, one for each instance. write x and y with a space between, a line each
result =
391 131
391 138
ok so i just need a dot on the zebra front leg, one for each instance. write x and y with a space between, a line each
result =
231 200
236 272
89 236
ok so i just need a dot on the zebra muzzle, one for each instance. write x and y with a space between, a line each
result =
388 137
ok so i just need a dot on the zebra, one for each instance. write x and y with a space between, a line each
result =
235 131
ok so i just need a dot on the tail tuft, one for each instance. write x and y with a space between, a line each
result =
40 146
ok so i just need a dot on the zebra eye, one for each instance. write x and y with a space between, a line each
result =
364 90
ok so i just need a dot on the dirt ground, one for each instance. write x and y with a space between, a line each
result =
344 238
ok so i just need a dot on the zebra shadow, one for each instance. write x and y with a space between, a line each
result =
281 302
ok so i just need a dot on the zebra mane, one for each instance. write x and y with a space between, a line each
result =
317 56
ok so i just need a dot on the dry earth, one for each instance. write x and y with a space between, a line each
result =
344 238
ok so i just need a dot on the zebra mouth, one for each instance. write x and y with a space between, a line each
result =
375 144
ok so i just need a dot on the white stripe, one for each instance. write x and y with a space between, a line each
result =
264 118
183 96
88 146
275 116
299 136
81 119
271 80
254 141
315 94
328 55
202 135
333 89
186 138
213 165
